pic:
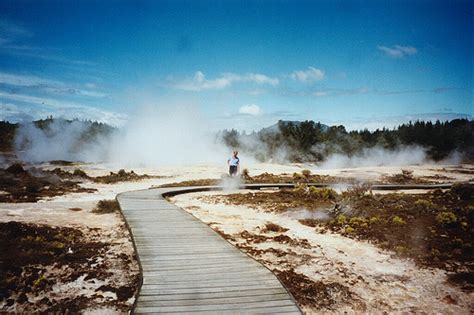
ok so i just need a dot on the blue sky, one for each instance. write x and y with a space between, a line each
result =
242 64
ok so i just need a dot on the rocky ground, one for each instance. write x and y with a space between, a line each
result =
64 254
355 251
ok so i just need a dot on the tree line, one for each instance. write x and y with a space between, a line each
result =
90 130
307 141
310 141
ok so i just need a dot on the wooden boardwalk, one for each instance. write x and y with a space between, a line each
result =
189 268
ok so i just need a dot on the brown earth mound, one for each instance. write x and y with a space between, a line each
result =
36 258
20 185
112 178
265 178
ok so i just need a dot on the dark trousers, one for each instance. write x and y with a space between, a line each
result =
232 170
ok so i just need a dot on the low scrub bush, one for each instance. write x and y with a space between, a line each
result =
446 218
323 193
396 220
106 206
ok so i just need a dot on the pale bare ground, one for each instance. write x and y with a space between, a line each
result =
379 281
56 211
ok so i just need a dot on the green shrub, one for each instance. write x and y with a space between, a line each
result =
349 230
401 249
58 245
396 220
300 188
358 222
306 173
322 193
39 281
446 218
298 177
358 191
341 219
424 204
374 220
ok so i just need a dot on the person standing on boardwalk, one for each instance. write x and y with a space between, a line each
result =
233 163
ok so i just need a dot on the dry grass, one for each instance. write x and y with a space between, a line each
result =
272 227
106 206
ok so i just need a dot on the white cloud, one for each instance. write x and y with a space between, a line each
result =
398 51
309 75
90 85
252 109
199 82
320 93
260 79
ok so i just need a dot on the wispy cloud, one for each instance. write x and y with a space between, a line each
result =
47 85
9 30
14 39
340 92
11 34
398 51
33 107
199 82
334 92
259 79
309 75
251 109
324 92
26 80
437 90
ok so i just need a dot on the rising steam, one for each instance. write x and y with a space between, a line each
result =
377 156
165 137
152 137
60 140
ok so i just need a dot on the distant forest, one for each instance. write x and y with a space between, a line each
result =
309 141
305 141
89 130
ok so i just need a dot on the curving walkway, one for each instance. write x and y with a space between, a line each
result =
189 268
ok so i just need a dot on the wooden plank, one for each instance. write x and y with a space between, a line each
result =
197 300
209 268
231 282
202 308
211 295
229 286
266 311
187 267
153 290
236 277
